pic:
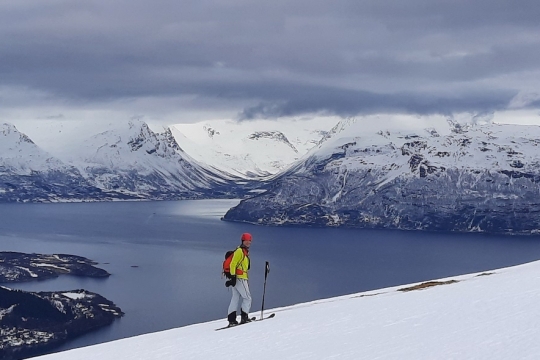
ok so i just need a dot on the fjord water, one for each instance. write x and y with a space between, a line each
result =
165 258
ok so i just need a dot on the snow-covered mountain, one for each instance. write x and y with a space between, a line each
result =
28 173
491 315
132 158
131 161
483 178
126 161
251 148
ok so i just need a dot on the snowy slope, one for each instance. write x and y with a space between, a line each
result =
251 148
493 315
482 177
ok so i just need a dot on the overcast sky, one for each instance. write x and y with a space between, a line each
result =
184 60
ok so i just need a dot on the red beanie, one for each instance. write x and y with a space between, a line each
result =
246 237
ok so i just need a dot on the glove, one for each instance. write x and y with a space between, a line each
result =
231 282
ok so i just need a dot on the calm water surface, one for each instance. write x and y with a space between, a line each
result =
165 258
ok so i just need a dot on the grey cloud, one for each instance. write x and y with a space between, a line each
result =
350 103
457 14
285 57
533 105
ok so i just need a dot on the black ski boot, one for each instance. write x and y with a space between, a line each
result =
244 318
232 319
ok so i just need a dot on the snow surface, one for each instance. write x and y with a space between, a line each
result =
75 296
32 274
491 315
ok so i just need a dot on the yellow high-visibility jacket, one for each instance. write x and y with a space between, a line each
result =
240 263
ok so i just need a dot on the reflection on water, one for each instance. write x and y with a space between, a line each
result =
165 258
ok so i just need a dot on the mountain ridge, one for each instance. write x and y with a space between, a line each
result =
257 149
126 162
481 178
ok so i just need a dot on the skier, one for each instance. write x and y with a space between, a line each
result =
239 267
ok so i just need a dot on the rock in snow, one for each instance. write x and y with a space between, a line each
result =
475 178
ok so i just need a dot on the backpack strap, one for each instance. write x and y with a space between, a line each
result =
245 252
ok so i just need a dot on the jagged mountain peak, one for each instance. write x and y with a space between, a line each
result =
338 128
128 142
11 132
21 155
170 141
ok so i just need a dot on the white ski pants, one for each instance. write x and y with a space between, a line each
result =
240 291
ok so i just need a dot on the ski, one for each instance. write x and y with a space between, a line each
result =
268 317
253 319
233 326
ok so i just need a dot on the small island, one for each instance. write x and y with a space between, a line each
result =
34 323
18 267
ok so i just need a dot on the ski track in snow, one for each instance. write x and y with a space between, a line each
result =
491 315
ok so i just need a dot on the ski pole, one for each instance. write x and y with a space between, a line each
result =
266 271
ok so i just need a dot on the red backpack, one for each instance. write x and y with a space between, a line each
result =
227 263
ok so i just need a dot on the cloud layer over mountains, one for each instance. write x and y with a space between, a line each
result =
271 59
